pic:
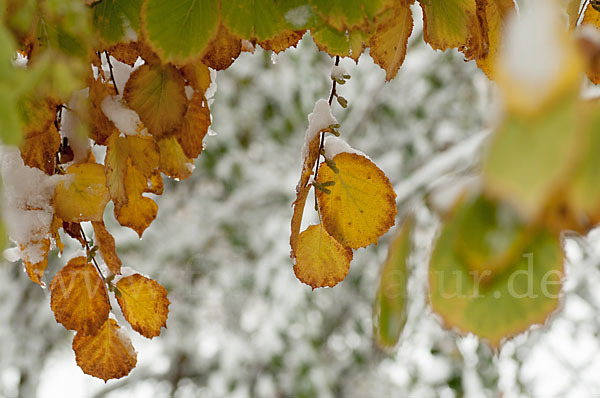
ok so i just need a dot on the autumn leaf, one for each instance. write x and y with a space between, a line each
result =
197 75
591 20
388 43
35 271
283 41
107 246
320 260
390 309
144 304
83 195
108 354
78 297
349 14
195 126
361 205
157 94
131 170
524 293
126 52
448 23
173 161
41 138
495 13
222 50
101 127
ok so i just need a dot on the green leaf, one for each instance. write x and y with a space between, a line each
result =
250 19
448 23
390 310
110 15
531 154
524 293
180 30
349 14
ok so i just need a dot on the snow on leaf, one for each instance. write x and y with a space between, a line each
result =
144 304
180 30
101 127
448 23
157 94
106 244
223 49
388 43
107 354
525 293
361 206
173 161
390 309
83 195
321 260
79 298
41 139
131 170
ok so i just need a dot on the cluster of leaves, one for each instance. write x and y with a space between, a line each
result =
70 47
497 267
355 203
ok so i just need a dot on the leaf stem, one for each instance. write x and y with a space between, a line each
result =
333 94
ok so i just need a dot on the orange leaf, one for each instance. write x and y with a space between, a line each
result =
78 297
106 355
144 304
388 44
101 127
320 259
36 271
106 244
131 170
362 204
157 94
222 50
198 76
591 18
195 126
127 52
84 195
285 40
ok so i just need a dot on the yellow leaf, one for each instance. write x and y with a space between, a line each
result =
107 354
41 140
131 170
198 76
106 244
222 50
36 271
78 297
144 304
448 23
320 260
495 13
83 195
362 204
388 44
157 94
173 161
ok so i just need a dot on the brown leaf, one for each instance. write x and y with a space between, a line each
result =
222 50
101 127
144 304
36 271
79 298
195 126
106 244
107 354
127 52
283 41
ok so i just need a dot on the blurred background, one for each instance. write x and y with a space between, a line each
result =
241 324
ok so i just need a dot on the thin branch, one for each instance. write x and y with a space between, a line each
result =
333 94
110 67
